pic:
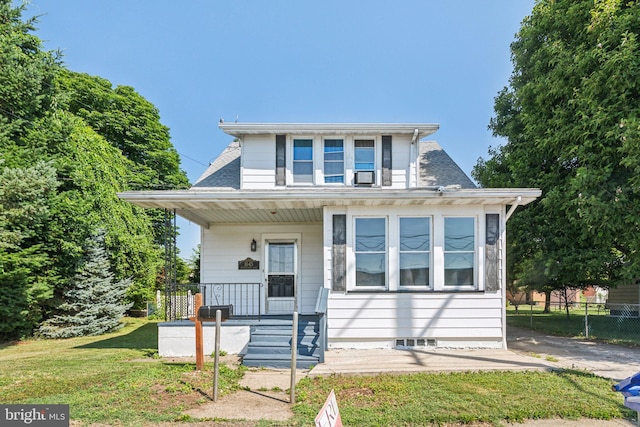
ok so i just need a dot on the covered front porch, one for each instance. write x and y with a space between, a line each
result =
262 340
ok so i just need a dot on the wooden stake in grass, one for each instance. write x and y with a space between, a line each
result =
199 338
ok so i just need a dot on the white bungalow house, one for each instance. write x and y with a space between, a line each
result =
409 252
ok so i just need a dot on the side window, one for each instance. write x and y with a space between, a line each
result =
334 161
303 161
371 252
415 251
459 252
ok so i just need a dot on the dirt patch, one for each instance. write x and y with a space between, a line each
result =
246 405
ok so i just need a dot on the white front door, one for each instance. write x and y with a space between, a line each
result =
281 275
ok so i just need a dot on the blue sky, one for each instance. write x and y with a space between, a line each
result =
295 61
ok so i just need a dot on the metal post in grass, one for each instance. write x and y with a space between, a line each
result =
294 353
586 320
531 314
216 363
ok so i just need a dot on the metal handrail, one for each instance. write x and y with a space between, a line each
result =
246 298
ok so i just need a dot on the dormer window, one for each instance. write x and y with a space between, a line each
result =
334 161
303 161
364 155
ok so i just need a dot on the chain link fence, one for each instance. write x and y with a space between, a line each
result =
620 322
610 322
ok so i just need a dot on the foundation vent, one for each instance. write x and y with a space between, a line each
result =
416 342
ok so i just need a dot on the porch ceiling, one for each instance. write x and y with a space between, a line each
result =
205 207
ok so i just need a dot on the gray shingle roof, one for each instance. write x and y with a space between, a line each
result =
223 172
436 169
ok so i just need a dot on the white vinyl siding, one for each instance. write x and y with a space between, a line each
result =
258 162
456 320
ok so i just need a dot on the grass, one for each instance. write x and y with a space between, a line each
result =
114 378
602 327
117 379
434 399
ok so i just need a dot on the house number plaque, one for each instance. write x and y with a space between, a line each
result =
249 264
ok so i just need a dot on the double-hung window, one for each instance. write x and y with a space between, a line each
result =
303 161
334 161
371 252
459 252
415 252
364 155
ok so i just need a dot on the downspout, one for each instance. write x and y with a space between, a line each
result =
503 261
413 174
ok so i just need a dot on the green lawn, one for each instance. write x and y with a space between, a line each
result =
114 378
602 326
117 379
490 397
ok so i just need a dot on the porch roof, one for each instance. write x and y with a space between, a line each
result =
206 206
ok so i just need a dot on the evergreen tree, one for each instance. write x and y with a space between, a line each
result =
26 282
94 304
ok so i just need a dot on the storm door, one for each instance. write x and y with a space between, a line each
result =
281 275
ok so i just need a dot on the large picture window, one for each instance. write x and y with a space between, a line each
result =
334 161
371 252
415 251
459 252
303 160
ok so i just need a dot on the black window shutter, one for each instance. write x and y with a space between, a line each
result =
339 254
386 160
281 159
492 260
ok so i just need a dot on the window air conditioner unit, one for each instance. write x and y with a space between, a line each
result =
365 178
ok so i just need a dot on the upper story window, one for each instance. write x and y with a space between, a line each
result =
303 161
334 161
459 252
415 251
371 252
364 155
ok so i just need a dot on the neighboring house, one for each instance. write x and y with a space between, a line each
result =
624 300
410 251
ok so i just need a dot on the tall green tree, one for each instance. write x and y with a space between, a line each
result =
68 144
570 116
26 279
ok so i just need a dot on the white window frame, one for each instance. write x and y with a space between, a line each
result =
291 161
352 283
376 158
344 161
429 251
475 285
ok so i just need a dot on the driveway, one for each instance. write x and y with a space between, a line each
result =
605 360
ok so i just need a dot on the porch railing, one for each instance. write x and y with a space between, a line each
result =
246 298
179 299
